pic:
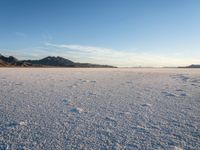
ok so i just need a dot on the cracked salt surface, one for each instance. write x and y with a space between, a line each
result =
63 108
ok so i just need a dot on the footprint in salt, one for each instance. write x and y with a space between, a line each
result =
90 94
67 102
111 120
168 94
71 107
129 82
85 81
194 84
179 90
76 110
183 94
18 83
125 114
146 105
195 81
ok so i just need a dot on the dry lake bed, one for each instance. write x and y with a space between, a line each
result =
119 108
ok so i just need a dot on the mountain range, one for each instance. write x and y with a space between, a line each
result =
52 61
49 61
191 66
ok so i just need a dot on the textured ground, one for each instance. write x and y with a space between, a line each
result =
99 108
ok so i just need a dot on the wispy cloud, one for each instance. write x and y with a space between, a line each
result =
90 49
122 58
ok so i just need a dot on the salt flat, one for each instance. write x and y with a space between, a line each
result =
73 108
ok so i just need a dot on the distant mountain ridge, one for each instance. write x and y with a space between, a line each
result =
52 61
49 61
191 66
9 59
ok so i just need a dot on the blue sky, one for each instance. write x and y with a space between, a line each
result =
115 32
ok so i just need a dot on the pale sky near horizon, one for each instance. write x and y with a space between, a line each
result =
114 32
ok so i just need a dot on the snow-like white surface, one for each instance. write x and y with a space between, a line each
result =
51 108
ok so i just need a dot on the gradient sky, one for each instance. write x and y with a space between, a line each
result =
115 32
